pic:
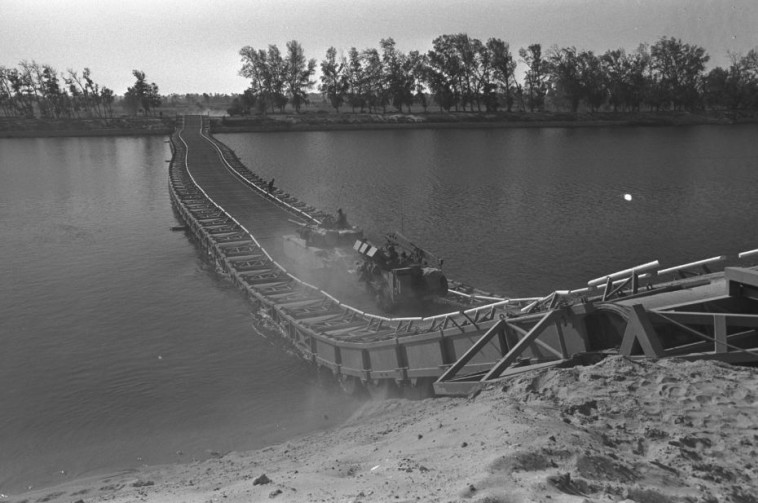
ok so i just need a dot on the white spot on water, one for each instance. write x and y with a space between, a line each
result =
628 197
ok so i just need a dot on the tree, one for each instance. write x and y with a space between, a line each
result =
373 88
398 81
273 78
254 68
356 80
23 89
679 70
53 99
277 77
445 72
503 68
7 103
265 69
639 69
298 73
416 66
475 68
593 79
142 94
625 77
564 76
719 90
745 69
12 97
461 72
535 77
736 87
107 97
334 79
90 97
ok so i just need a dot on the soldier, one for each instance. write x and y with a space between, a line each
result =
341 219
392 256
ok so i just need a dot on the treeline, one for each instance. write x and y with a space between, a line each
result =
33 89
464 73
38 90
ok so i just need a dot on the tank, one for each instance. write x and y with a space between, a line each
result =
399 279
319 247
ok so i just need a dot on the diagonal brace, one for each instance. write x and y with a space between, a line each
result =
519 348
473 350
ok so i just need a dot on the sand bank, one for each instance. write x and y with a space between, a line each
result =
649 432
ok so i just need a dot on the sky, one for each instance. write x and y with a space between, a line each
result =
192 46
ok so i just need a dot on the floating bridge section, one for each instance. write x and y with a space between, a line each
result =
690 312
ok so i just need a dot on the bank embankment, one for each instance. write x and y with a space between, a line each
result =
16 127
667 431
469 120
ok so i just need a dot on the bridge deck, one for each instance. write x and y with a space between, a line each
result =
256 211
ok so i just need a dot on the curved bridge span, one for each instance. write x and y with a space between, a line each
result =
240 224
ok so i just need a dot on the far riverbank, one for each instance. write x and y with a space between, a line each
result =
16 127
469 120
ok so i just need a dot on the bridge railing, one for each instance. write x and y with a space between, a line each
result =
748 254
614 284
293 209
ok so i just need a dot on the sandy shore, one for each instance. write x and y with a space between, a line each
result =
648 432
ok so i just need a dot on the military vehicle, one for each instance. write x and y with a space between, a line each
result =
400 279
321 246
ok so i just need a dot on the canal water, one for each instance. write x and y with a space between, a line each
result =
122 347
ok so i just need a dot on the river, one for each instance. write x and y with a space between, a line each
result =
122 347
